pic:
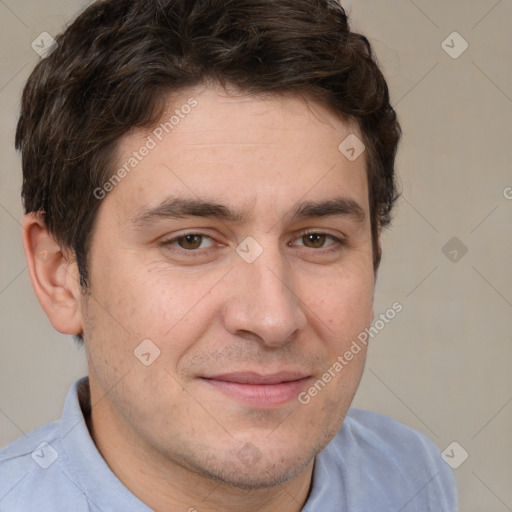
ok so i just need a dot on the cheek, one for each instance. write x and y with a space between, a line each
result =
169 307
345 302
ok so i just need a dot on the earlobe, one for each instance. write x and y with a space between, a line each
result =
54 276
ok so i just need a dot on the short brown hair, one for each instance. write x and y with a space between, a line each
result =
118 61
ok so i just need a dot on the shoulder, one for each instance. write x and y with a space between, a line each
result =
403 465
384 434
34 474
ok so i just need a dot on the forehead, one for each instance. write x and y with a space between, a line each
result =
239 149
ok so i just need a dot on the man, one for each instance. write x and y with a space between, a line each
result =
205 183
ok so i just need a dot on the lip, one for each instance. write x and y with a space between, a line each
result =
259 390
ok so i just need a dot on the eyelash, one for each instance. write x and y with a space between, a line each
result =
339 242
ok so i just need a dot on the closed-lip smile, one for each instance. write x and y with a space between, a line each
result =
258 389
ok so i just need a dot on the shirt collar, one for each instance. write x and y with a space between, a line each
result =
88 471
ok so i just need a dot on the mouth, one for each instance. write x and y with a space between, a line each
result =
260 390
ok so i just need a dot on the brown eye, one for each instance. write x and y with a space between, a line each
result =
190 242
319 240
314 240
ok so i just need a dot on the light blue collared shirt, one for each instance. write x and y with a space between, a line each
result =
373 464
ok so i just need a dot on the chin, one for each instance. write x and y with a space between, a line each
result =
260 476
250 469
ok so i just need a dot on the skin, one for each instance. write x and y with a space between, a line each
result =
174 439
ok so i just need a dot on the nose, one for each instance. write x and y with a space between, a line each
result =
264 305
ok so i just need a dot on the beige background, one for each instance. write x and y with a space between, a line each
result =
442 365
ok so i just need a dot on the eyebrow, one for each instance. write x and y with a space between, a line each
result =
178 208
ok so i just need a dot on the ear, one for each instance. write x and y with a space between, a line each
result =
54 276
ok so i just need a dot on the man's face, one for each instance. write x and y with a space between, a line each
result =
246 313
